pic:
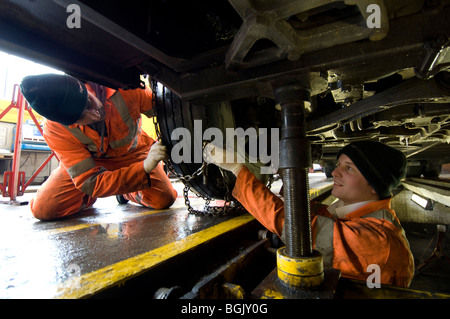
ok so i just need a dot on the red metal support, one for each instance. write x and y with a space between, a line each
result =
14 181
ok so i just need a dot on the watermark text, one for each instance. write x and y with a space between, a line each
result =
250 145
73 21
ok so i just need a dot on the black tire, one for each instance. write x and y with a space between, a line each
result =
413 171
432 169
172 112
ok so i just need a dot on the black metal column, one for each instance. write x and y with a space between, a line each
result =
295 159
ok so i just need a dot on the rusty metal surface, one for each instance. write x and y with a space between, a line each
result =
272 288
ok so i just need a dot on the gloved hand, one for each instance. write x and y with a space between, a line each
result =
158 152
216 155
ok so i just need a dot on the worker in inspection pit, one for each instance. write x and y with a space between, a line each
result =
95 132
358 230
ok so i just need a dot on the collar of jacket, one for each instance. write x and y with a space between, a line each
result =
109 91
370 208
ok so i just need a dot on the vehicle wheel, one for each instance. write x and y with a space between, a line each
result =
172 113
413 171
432 169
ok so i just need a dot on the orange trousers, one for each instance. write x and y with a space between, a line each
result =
58 197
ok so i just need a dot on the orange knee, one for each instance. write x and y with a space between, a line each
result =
42 211
46 209
165 200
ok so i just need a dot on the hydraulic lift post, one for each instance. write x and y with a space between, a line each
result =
295 159
299 273
298 265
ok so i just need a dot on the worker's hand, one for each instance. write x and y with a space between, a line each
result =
158 152
226 159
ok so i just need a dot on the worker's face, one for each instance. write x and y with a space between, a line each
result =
350 186
94 111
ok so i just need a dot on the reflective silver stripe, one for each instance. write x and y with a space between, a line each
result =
89 184
283 234
383 214
81 167
386 215
79 135
324 239
133 127
136 138
325 231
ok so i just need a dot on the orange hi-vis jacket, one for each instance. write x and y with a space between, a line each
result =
370 235
93 166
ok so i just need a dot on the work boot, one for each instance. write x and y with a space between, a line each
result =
121 199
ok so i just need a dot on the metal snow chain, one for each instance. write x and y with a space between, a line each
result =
229 206
208 210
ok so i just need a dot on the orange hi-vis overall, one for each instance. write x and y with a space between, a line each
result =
370 235
91 167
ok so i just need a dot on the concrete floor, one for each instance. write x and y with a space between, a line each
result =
39 259
435 276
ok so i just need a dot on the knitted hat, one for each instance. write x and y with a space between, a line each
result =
60 98
381 165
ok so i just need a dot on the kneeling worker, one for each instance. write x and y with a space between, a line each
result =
96 134
358 230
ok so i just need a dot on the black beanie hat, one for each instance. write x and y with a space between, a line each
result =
60 98
382 166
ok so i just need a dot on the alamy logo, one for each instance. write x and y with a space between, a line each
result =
374 19
374 279
73 21
189 148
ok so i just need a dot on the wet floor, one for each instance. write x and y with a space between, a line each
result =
435 276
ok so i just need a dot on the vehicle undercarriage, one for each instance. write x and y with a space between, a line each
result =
387 81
